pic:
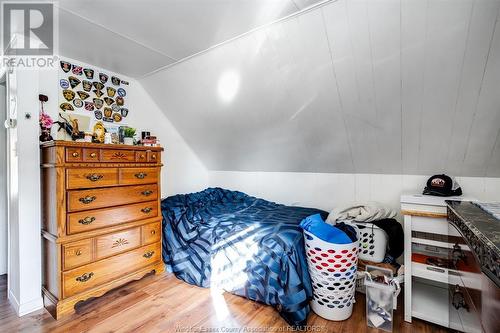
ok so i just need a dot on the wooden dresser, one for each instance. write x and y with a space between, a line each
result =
101 219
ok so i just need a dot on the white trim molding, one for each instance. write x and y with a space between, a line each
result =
25 308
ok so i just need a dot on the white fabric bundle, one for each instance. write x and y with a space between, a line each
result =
360 212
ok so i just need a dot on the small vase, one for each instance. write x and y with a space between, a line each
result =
128 141
45 134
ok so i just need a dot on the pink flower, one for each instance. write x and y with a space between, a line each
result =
45 120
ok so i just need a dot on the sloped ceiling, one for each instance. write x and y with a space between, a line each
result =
136 37
355 86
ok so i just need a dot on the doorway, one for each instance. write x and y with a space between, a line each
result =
3 176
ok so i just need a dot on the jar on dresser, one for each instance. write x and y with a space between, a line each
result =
101 219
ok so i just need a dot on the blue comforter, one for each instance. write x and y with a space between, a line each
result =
248 246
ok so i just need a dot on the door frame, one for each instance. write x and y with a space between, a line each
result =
11 162
3 82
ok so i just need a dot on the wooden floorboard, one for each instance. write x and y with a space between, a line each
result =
162 303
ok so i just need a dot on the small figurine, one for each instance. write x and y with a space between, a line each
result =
75 132
99 132
70 127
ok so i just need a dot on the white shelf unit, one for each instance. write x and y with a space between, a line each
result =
427 295
431 303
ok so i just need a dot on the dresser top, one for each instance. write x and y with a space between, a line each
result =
481 231
431 200
61 143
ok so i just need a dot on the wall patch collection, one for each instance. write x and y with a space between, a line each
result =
89 90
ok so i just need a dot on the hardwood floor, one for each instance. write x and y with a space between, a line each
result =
162 303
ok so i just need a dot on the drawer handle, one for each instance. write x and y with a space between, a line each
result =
94 177
153 157
93 155
153 232
87 220
85 277
148 254
142 156
458 300
75 154
78 252
435 269
88 199
146 210
147 193
141 175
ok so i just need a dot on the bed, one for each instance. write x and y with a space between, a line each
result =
250 247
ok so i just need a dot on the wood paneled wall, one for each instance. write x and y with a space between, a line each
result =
355 86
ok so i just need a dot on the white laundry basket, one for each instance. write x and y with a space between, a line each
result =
372 242
333 273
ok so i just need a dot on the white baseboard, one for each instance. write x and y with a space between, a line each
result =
27 307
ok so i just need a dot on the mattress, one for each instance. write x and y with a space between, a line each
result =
248 246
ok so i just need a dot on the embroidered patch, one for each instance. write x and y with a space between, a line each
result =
73 81
89 73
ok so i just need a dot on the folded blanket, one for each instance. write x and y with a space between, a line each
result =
360 212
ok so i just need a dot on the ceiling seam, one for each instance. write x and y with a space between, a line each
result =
480 91
401 111
295 4
490 160
117 33
298 13
334 73
375 103
467 38
401 153
420 120
349 24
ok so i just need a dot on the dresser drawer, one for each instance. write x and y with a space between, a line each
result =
148 156
131 176
95 274
77 253
141 156
90 178
151 233
153 156
91 155
73 154
101 218
117 155
108 245
107 197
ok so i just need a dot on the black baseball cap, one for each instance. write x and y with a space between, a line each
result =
443 186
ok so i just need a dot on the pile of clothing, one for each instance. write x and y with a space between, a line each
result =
378 215
341 233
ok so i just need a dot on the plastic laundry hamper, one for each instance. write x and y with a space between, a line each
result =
373 242
332 268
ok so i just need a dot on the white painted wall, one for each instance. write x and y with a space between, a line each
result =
183 171
3 182
326 191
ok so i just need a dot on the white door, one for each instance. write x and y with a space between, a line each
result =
12 179
3 178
